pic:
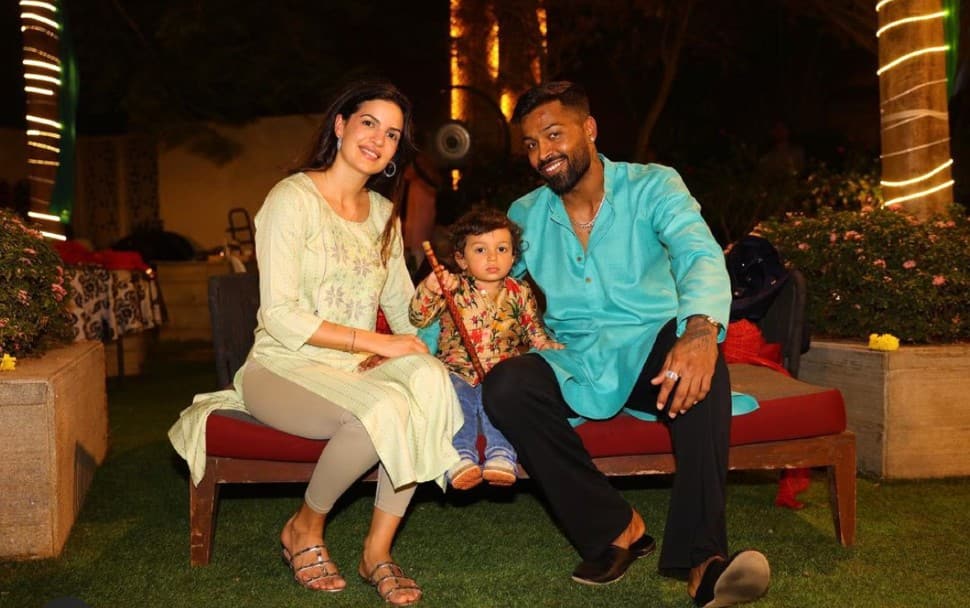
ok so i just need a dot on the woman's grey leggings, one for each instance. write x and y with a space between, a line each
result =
350 453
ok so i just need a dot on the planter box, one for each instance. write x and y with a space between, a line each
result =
53 435
909 409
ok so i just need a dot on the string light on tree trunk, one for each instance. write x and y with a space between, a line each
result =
911 55
905 20
44 75
909 197
916 180
43 216
916 164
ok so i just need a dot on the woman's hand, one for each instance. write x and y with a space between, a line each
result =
370 363
393 346
398 345
552 345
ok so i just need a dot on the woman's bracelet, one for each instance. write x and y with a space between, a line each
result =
353 340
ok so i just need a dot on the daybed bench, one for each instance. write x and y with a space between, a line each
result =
797 425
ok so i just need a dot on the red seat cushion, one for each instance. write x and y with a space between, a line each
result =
788 409
238 435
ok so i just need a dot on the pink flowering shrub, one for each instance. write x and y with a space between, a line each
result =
33 294
880 271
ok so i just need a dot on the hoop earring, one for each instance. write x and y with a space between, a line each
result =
390 169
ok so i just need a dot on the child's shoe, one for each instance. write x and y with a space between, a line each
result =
465 475
499 471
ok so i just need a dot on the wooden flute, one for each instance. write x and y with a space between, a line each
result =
455 313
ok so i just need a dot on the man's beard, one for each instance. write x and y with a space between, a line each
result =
566 180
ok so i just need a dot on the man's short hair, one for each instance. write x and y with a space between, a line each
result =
567 93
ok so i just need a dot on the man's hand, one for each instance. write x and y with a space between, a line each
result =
688 368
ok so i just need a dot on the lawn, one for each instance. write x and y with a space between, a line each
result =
491 547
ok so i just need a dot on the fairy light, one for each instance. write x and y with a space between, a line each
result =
905 20
48 147
42 78
39 91
881 4
39 29
47 217
38 4
912 55
43 163
53 235
40 19
915 180
44 121
44 54
926 192
39 133
36 63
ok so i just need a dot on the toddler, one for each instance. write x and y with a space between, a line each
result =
500 315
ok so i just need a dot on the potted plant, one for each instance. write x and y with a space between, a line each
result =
33 316
53 404
875 271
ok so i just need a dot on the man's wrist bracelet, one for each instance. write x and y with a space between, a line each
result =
708 319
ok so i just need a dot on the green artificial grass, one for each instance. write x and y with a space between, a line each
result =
487 548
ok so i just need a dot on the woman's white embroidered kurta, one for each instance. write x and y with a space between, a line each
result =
316 266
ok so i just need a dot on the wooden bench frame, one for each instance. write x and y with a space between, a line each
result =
234 316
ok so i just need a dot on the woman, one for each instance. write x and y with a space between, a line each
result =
330 253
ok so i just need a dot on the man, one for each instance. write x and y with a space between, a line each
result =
637 290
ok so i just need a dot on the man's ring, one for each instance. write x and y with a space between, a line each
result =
672 375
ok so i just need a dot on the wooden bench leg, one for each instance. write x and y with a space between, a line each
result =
842 492
203 499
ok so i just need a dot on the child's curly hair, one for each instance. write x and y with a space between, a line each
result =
482 220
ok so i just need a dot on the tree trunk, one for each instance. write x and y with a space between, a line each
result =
670 58
913 107
42 72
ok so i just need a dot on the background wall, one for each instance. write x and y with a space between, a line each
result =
196 192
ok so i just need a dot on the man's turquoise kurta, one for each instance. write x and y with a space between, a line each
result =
650 258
